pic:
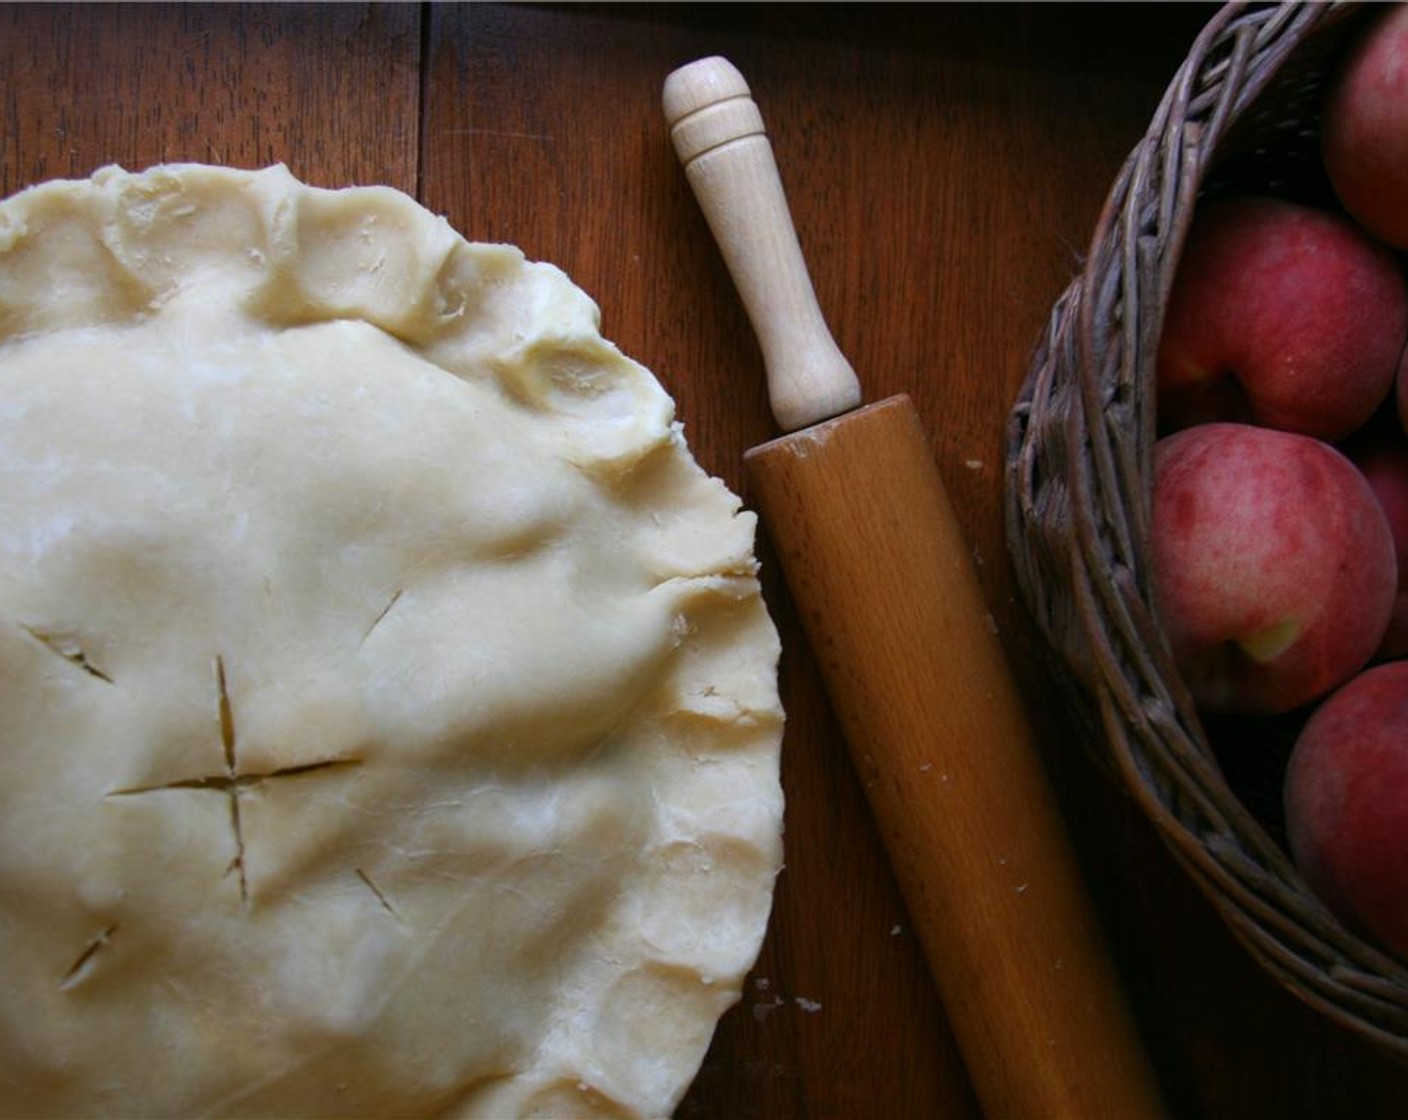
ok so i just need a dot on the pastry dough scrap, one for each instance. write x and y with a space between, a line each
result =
388 710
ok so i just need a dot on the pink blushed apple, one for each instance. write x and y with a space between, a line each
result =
1364 128
1382 457
1273 564
1280 315
1346 798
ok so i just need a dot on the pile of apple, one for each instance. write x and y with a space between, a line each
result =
1280 494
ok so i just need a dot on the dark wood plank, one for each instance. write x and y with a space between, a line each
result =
330 90
543 127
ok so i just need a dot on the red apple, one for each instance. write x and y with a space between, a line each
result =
1383 460
1401 399
1346 799
1280 315
1273 565
1364 129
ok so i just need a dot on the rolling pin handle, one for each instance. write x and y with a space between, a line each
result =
719 136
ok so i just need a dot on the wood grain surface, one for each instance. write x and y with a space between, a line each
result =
945 166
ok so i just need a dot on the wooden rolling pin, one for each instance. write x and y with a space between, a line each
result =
882 580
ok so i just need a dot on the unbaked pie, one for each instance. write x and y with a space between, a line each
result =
388 711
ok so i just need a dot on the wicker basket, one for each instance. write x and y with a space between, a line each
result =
1240 116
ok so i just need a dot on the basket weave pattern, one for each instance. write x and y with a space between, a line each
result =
1239 116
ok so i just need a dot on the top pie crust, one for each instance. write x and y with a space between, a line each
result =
388 710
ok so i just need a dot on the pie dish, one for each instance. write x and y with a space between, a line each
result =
388 710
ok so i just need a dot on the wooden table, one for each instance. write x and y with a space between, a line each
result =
945 166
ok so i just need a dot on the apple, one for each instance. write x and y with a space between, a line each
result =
1382 458
1346 800
1401 398
1364 129
1281 315
1273 565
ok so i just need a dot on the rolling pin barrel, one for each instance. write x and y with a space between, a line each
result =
880 572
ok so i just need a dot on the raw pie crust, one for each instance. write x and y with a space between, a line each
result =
388 711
